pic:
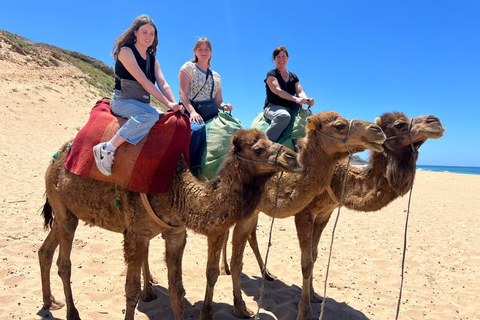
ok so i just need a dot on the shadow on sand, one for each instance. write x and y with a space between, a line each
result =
280 302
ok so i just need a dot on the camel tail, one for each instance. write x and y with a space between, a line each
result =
47 215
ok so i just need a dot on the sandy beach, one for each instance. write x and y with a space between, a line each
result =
442 266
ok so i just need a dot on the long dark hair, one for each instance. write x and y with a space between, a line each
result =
129 36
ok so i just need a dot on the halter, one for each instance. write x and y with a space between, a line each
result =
407 133
273 163
344 140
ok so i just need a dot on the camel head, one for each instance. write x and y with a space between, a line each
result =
337 132
404 137
261 154
403 132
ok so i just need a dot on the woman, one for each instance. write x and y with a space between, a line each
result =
134 54
199 84
284 95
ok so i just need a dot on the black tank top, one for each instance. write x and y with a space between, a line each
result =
123 73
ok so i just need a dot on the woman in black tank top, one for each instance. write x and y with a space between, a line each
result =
134 54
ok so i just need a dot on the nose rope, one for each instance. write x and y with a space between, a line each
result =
273 163
408 134
344 140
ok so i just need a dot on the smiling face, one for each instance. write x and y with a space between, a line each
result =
281 60
145 35
203 52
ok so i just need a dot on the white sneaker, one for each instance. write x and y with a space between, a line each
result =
103 159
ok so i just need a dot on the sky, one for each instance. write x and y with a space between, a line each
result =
360 58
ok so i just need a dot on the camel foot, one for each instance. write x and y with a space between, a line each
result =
53 304
242 313
206 313
270 276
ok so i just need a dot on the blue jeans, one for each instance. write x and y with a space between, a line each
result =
280 118
141 117
197 144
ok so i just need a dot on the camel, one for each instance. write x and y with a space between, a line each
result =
329 139
389 175
206 208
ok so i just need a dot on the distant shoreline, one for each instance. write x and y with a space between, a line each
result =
452 169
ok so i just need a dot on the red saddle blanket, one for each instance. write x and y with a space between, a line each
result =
146 167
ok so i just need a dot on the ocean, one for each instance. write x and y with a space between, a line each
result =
464 170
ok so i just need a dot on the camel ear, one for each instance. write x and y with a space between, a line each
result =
236 142
311 124
378 121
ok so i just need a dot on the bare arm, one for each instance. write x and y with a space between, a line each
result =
162 83
300 93
127 58
219 101
273 84
184 80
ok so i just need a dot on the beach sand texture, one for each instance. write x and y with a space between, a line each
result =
442 274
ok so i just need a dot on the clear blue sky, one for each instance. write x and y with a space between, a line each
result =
360 58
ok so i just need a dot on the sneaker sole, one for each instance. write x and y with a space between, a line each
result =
96 155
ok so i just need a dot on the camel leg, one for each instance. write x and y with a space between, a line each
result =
304 224
45 257
175 241
147 293
320 223
215 244
66 232
241 232
224 269
252 241
136 252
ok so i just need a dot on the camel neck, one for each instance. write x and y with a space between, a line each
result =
385 178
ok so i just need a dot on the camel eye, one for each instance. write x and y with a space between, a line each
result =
340 127
259 151
399 125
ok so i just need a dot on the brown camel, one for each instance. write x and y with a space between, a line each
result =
207 208
325 144
389 175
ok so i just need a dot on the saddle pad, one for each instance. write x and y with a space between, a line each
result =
295 129
219 132
146 167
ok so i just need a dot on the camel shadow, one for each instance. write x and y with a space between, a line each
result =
46 315
161 309
280 301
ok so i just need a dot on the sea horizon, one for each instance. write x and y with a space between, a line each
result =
452 169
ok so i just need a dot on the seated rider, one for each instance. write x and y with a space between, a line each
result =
132 51
284 95
198 83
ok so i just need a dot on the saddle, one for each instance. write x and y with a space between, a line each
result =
146 167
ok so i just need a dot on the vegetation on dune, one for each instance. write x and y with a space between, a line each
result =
97 73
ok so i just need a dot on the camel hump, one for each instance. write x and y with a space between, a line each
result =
145 167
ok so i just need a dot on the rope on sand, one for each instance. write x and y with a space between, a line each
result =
404 253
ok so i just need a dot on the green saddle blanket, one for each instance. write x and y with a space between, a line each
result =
295 130
219 131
